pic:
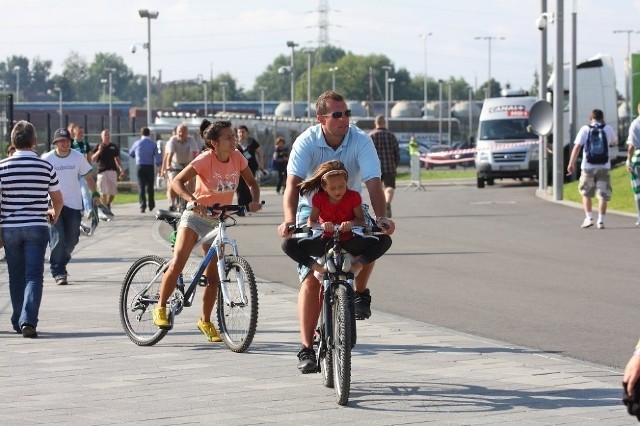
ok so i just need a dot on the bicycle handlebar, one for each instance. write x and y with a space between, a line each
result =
306 231
218 208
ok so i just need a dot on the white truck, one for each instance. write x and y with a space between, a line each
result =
595 88
505 148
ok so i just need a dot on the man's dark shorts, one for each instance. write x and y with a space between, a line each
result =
389 180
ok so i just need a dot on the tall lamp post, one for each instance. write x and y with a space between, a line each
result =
59 90
111 71
440 111
333 70
202 81
144 13
17 71
223 85
309 52
386 69
292 45
489 38
425 36
262 89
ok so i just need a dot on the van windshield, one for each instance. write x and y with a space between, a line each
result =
505 129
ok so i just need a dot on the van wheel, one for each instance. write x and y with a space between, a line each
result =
480 182
490 181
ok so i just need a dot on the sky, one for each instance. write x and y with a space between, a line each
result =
242 37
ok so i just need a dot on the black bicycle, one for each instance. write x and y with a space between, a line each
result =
237 305
336 332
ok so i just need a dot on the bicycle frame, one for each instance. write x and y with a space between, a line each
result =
330 281
220 241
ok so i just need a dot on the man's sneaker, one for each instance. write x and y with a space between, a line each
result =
587 223
61 280
29 331
638 222
160 317
363 305
209 331
600 225
307 361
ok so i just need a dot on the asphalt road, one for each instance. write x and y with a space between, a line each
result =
499 263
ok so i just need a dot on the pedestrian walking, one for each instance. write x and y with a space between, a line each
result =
64 235
633 161
107 156
596 138
389 154
145 152
27 184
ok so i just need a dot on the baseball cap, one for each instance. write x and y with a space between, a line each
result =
61 134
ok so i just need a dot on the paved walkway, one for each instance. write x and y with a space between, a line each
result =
83 370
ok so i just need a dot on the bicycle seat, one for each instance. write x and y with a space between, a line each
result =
167 215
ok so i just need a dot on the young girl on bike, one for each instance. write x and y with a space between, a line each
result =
217 171
333 204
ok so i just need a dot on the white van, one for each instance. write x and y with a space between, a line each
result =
505 147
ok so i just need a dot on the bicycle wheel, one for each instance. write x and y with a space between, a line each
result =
138 299
237 320
342 338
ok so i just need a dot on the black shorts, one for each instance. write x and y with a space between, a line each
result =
389 180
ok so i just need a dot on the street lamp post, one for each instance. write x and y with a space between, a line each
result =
489 38
449 112
386 69
333 70
17 71
292 45
144 13
262 89
470 115
440 111
111 71
309 52
223 85
425 36
202 81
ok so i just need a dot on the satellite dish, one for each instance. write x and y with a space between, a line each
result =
541 118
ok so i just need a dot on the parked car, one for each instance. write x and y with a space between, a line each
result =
439 148
404 151
468 156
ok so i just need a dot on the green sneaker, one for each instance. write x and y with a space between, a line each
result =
160 317
209 331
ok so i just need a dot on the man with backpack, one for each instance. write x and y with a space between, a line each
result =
596 138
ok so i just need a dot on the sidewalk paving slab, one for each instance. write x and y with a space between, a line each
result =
83 370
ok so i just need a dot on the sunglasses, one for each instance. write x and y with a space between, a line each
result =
338 114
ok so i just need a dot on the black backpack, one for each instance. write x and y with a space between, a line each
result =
597 148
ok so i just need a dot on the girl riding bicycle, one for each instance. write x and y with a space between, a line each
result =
217 171
333 204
